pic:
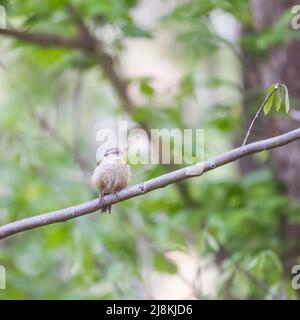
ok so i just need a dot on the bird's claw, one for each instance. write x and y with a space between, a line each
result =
102 204
105 208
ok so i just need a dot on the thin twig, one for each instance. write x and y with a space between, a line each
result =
257 114
160 182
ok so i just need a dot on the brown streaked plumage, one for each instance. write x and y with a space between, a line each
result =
111 175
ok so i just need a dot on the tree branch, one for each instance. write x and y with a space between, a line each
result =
160 182
49 40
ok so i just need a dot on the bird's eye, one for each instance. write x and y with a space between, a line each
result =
97 163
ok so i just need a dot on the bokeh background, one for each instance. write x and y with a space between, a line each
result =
233 233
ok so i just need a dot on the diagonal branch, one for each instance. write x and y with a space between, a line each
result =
105 60
147 186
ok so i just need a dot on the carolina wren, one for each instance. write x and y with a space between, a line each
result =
111 175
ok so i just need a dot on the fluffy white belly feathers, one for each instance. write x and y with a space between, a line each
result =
112 174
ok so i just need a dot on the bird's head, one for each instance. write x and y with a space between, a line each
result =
112 152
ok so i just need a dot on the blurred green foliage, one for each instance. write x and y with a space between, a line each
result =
43 139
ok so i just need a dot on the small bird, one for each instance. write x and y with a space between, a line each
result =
111 175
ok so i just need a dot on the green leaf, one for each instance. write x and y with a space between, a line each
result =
162 264
278 98
269 102
146 88
144 114
286 98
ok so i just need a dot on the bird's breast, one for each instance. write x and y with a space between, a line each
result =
110 177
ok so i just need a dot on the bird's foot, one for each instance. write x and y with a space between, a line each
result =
102 203
116 195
